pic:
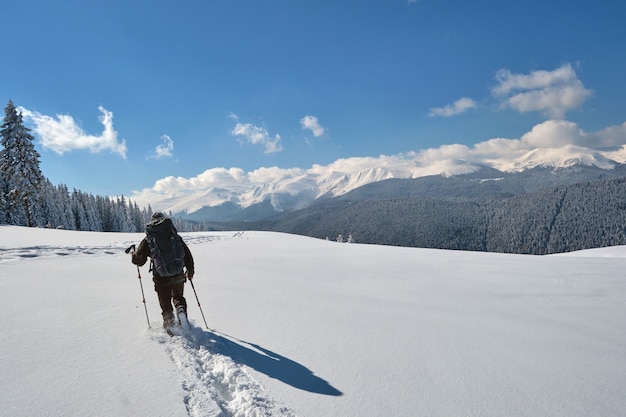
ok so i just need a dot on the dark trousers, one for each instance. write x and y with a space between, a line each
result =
167 294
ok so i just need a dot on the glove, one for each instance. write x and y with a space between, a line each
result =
189 275
131 249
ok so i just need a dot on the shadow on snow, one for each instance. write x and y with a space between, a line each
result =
263 360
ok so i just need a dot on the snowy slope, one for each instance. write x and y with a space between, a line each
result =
310 328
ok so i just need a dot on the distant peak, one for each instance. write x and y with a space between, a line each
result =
563 157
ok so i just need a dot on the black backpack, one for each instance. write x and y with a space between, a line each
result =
166 249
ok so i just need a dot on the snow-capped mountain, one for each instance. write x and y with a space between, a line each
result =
289 192
269 191
565 157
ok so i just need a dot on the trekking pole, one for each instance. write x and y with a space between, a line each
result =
199 306
132 247
143 296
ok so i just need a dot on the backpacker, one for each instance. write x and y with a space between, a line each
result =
166 249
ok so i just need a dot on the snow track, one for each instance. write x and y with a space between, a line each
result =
10 253
212 382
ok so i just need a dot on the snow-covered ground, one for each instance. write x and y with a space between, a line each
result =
305 327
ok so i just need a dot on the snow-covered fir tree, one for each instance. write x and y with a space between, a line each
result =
19 163
3 208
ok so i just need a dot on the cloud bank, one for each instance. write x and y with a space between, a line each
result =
62 134
549 143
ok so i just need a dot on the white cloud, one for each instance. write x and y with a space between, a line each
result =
460 106
312 123
218 177
443 153
494 152
256 135
62 134
553 93
611 136
555 134
164 150
211 178
356 164
268 175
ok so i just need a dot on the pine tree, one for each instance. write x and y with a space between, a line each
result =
65 200
52 210
3 205
19 164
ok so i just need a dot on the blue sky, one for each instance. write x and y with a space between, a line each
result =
122 94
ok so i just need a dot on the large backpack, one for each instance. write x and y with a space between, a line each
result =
166 249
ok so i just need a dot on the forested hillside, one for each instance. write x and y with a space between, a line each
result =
558 219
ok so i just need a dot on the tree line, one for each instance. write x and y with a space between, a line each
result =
27 198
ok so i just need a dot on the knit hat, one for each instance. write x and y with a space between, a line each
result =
156 218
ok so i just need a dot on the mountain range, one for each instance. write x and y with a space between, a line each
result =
296 189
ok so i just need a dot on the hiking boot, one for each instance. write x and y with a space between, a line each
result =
168 320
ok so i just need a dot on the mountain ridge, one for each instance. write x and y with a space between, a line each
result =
296 189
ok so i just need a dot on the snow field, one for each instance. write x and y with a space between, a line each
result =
310 328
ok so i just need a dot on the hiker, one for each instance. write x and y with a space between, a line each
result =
168 253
